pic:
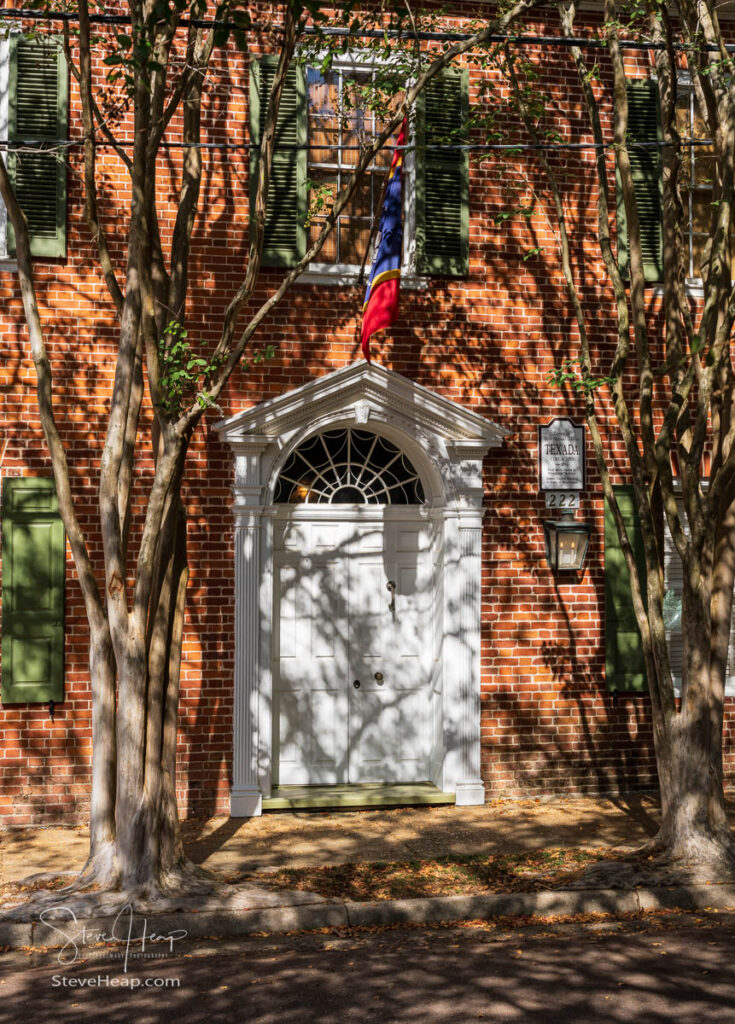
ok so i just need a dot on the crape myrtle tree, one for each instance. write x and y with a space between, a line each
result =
158 66
668 391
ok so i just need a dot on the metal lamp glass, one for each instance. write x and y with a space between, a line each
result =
567 541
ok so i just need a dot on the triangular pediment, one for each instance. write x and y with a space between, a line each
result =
357 392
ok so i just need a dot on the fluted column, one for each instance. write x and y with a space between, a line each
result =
462 664
469 787
246 797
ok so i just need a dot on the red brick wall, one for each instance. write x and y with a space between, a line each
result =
548 724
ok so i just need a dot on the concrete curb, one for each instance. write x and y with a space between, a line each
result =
344 913
463 908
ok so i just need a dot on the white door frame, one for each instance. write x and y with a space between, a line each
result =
446 443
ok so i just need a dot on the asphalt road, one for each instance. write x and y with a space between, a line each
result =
678 968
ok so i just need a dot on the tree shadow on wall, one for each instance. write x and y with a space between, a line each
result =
487 341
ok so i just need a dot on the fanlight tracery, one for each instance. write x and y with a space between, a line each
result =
349 466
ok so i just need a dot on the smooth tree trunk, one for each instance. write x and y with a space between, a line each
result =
135 840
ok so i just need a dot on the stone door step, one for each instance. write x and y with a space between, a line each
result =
366 794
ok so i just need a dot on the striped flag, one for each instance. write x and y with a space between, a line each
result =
380 308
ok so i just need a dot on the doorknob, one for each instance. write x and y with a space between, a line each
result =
379 678
390 585
356 684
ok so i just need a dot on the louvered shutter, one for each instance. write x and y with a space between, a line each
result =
33 592
624 664
442 177
285 234
644 125
37 111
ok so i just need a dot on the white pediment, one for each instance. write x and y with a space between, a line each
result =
356 394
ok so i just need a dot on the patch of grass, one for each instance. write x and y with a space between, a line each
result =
442 876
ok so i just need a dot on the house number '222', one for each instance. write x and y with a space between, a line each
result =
562 499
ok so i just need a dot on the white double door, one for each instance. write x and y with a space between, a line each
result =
354 665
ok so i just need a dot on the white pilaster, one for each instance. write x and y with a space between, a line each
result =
469 788
462 603
246 798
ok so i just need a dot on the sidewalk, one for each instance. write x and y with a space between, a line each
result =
231 847
308 839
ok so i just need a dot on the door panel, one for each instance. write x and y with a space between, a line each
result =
310 665
389 720
368 603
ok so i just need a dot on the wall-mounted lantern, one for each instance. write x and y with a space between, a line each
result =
562 477
567 540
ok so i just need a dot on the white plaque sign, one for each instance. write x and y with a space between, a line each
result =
561 462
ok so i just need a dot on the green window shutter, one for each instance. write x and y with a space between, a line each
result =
38 109
34 548
442 177
285 234
644 125
624 664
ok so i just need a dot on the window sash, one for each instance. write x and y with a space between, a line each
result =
343 168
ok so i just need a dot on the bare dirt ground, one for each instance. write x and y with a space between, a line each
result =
231 846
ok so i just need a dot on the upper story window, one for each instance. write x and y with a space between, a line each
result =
699 170
339 121
698 173
319 118
33 109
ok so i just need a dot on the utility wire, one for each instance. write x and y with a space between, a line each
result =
48 145
311 30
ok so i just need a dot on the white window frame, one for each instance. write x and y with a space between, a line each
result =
694 285
347 274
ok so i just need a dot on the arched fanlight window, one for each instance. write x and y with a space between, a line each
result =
349 466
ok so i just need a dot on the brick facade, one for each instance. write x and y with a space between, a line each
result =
548 723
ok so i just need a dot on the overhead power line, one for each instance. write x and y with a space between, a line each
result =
49 146
520 40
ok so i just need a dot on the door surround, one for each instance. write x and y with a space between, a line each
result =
446 443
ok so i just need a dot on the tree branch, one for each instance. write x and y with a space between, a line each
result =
229 350
91 211
201 52
44 387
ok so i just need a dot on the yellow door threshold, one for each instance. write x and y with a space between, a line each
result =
365 794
